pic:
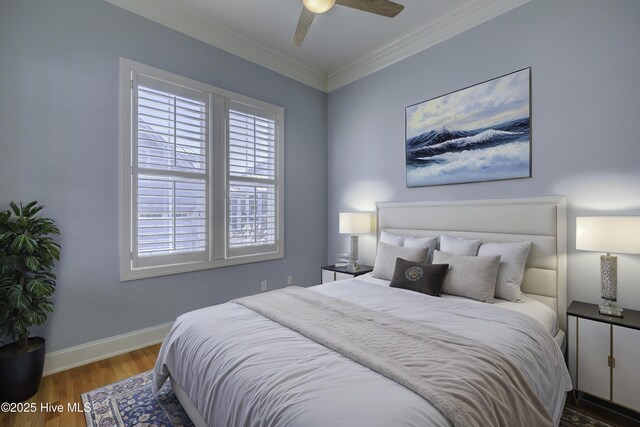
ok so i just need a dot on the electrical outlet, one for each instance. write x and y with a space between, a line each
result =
289 280
263 285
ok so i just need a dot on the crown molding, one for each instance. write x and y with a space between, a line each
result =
432 32
188 22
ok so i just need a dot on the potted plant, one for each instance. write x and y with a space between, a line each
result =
27 254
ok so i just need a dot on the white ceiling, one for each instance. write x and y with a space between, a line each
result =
341 46
334 38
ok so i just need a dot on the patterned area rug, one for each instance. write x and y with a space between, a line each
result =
571 418
130 402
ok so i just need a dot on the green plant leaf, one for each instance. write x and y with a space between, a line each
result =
32 263
26 211
17 298
47 306
23 242
8 264
48 274
18 243
15 208
34 286
40 288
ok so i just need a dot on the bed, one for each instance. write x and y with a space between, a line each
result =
230 365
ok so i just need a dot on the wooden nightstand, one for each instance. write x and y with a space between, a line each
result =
331 273
604 354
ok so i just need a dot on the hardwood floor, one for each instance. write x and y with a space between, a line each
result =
65 387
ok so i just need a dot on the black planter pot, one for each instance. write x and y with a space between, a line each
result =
21 371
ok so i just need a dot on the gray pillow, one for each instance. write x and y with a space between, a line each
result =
459 246
391 239
422 242
385 263
513 258
469 276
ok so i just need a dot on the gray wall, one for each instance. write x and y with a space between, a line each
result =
59 145
586 108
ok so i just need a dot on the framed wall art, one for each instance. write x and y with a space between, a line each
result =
480 133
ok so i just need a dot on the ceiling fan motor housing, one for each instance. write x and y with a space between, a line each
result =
318 6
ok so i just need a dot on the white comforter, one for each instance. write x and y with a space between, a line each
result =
241 369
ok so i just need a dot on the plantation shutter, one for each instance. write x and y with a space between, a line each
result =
252 180
201 176
170 178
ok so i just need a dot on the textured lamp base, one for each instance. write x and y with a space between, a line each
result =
609 283
610 308
353 254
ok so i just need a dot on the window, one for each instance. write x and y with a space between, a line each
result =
201 175
251 190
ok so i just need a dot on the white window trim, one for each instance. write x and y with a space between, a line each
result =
217 235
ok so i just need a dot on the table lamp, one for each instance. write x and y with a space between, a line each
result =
609 234
354 223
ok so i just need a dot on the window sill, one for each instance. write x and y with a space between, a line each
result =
167 270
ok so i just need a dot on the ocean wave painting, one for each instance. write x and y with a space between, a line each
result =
481 133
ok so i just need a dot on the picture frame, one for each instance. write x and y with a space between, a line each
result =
479 133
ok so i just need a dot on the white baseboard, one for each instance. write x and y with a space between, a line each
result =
72 357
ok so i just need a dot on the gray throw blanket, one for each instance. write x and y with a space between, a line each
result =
469 383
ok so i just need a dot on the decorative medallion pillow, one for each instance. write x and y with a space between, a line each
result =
419 277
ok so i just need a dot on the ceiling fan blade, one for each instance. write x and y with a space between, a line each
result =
306 18
379 7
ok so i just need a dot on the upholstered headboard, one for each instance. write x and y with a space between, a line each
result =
542 220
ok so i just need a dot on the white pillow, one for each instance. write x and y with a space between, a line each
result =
391 239
469 276
422 242
385 263
513 258
459 246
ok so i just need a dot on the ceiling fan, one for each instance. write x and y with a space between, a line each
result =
313 7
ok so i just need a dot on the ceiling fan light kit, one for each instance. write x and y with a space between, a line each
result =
313 7
318 6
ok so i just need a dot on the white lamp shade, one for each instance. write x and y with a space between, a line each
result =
611 234
318 6
355 223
